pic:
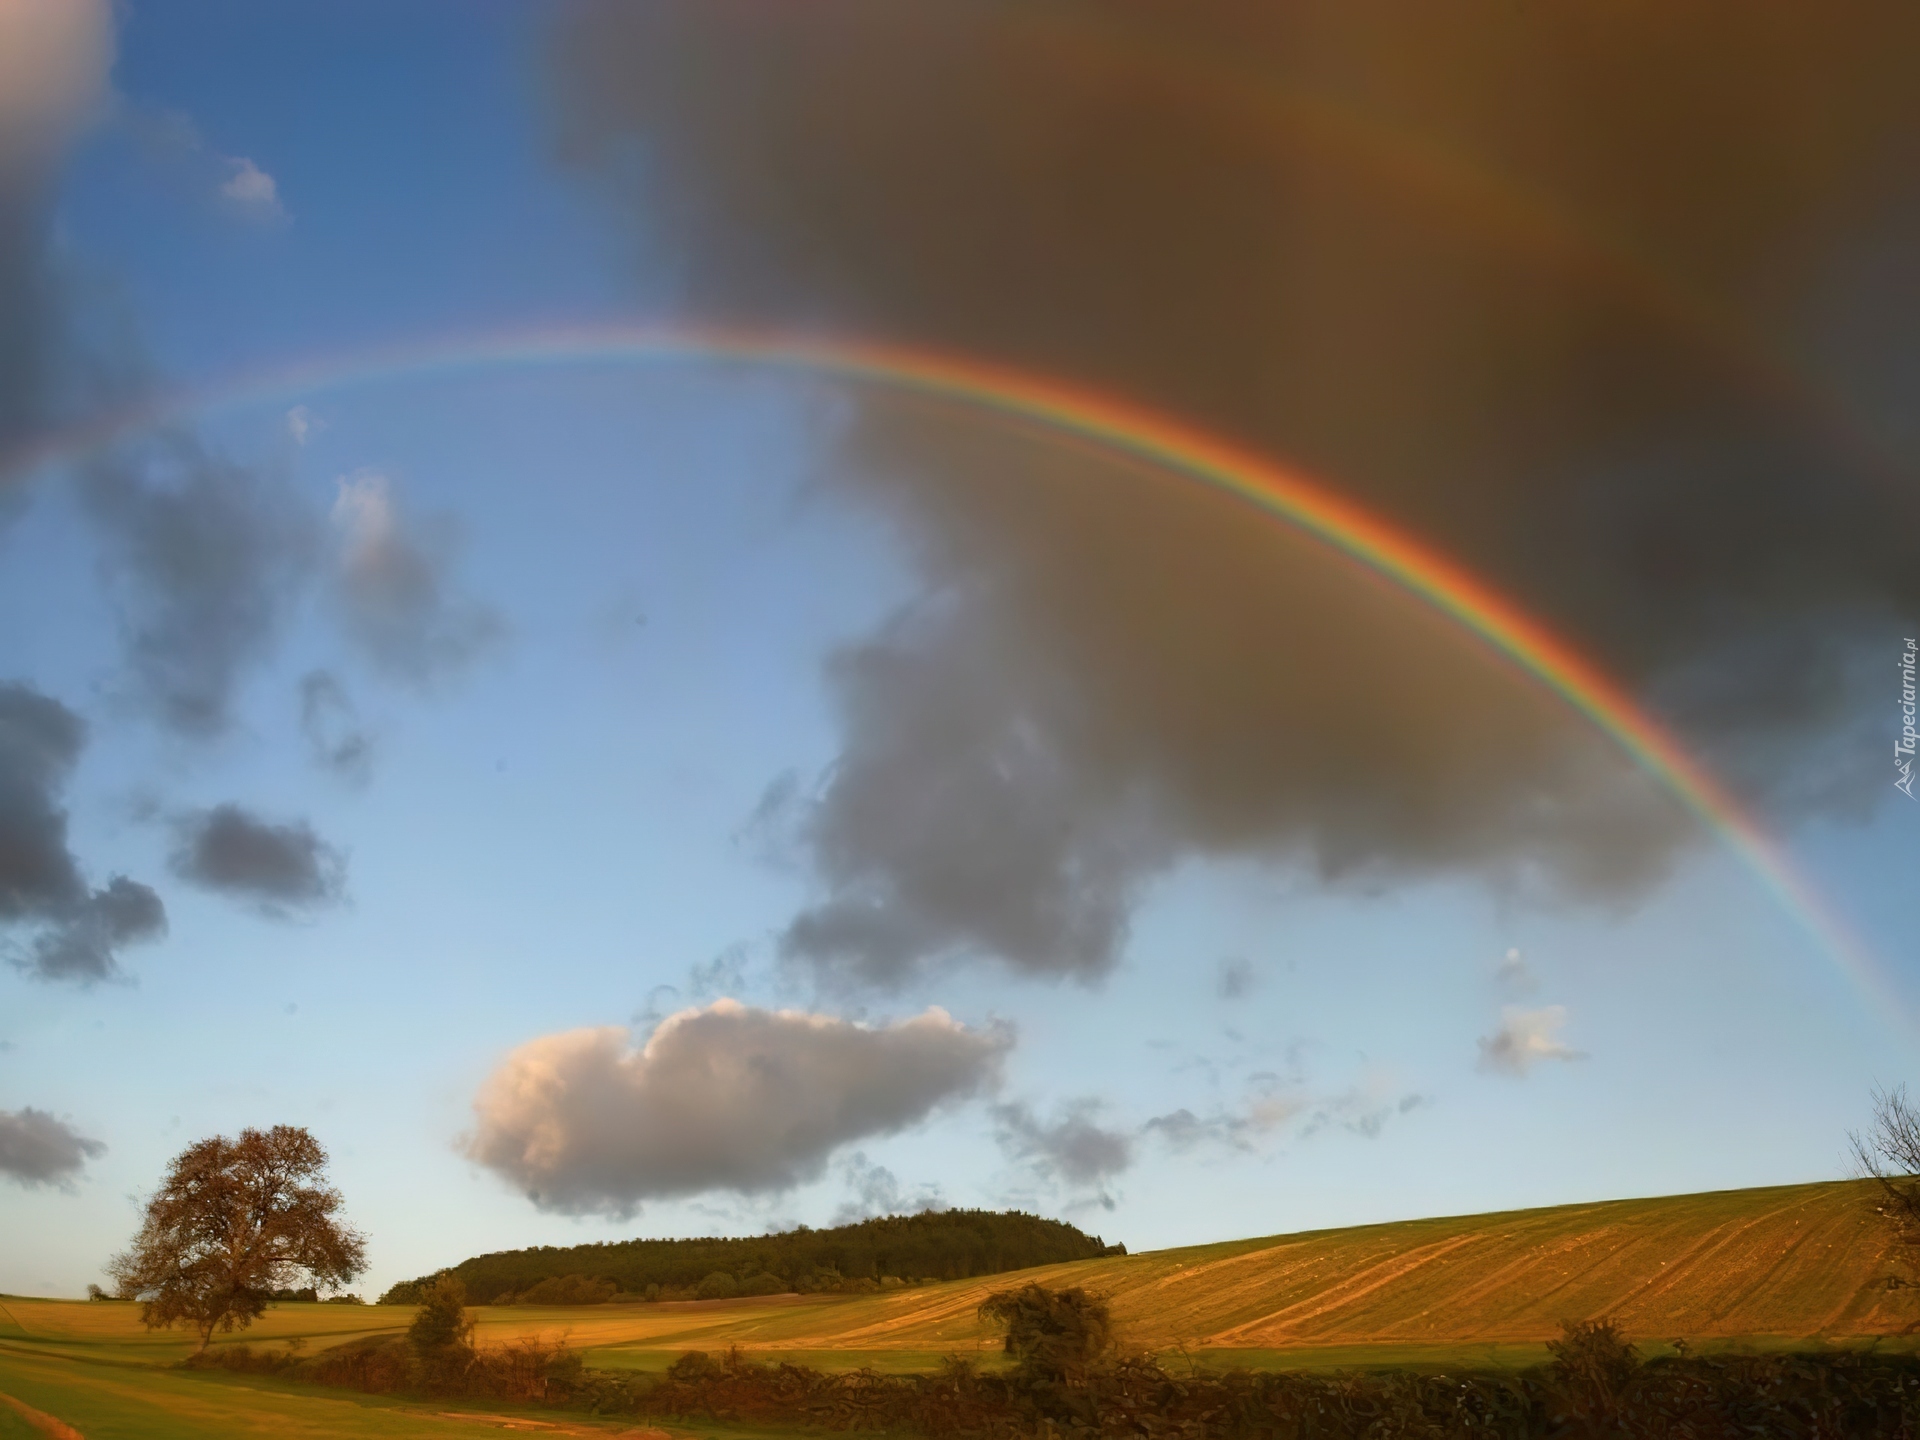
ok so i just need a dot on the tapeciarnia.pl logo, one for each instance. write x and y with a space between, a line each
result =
1903 748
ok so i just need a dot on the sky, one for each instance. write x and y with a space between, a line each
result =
607 794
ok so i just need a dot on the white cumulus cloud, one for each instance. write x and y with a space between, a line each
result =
251 190
729 1097
1526 1037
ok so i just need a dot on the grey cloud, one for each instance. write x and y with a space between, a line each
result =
37 1148
729 1097
53 71
278 866
81 945
207 558
73 931
331 724
1525 1038
954 825
393 590
40 739
1235 980
1287 224
199 553
1265 1111
1074 1148
876 1190
1363 1110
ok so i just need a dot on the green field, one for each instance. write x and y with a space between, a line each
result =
1792 1266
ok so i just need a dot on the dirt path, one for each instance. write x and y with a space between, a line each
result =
46 1424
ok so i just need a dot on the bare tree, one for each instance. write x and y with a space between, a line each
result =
1890 1153
234 1221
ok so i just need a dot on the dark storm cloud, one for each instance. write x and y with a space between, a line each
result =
206 558
53 68
279 866
37 1148
1508 275
331 724
81 945
72 931
393 586
1074 1149
723 1098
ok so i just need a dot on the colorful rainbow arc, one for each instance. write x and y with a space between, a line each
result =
1122 427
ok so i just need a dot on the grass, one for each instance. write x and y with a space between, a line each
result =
1791 1267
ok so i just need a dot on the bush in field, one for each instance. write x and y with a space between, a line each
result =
442 1323
1593 1364
717 1286
764 1284
1054 1337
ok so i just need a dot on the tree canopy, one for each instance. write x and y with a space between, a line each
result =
232 1222
938 1245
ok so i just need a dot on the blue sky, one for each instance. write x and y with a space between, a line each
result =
640 577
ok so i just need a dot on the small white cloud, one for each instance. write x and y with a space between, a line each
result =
1524 1038
303 424
251 190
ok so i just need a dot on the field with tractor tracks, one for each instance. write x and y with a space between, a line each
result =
1786 1267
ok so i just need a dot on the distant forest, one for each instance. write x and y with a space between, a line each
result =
885 1253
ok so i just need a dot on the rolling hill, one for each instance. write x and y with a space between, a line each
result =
1773 1266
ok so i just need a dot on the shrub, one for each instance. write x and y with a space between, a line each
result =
764 1284
1593 1364
717 1286
407 1292
442 1322
1054 1337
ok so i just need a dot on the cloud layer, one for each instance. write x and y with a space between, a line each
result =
1433 257
73 932
37 1148
728 1097
277 865
206 559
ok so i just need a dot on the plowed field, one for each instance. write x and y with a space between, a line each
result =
1783 1266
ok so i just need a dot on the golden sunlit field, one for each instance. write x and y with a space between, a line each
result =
1788 1266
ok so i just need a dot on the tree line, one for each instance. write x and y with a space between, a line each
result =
874 1254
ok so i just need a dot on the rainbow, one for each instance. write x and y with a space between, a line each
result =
1118 426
